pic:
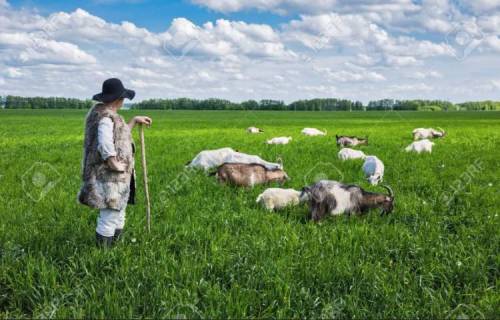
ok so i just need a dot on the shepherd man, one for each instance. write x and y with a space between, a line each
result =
108 161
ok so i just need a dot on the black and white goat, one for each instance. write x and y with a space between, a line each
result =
328 197
347 141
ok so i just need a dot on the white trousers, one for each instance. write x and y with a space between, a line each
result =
109 220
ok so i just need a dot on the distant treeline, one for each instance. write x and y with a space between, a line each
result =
316 105
15 102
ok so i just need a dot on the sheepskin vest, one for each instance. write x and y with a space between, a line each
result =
103 188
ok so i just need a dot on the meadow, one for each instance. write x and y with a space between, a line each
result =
214 253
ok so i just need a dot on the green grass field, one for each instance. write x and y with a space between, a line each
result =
214 253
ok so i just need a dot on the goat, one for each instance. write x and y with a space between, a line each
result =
373 168
254 130
420 146
335 198
346 141
209 159
279 140
248 175
277 198
313 132
347 154
427 133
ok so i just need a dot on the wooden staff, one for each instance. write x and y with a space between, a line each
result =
145 177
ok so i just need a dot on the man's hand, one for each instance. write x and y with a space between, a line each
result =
143 120
115 165
140 120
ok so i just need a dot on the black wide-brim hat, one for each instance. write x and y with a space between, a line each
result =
113 89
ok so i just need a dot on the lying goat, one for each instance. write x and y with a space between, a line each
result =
328 197
420 146
428 133
248 175
254 130
373 169
279 140
346 141
348 154
209 159
313 132
277 198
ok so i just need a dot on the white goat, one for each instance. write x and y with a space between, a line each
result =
313 132
209 159
254 130
348 154
277 198
420 146
427 133
373 169
279 140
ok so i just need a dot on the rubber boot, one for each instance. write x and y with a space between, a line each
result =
118 234
102 241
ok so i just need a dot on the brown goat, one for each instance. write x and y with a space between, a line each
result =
248 175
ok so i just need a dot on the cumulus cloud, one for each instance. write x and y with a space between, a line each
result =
224 38
330 48
290 6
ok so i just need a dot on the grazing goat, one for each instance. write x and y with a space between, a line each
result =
346 141
277 198
313 132
254 130
373 169
328 197
347 154
279 140
427 133
420 146
248 175
209 159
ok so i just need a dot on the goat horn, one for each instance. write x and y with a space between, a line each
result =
391 193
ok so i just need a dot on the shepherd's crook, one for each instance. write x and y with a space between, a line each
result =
145 177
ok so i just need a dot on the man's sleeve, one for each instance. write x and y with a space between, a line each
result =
105 141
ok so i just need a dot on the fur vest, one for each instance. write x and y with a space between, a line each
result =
103 188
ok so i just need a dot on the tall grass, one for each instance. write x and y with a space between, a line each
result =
214 253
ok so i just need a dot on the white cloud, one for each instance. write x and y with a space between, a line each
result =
352 75
23 48
13 72
224 38
357 50
290 6
421 75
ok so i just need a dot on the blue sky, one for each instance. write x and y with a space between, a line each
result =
155 15
248 49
